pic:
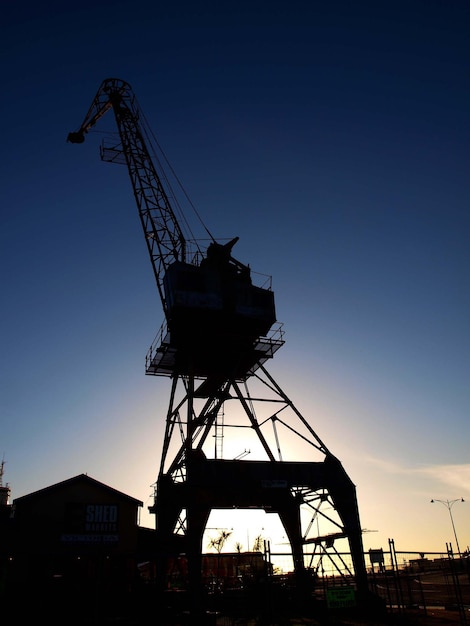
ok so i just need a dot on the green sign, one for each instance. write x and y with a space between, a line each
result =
340 598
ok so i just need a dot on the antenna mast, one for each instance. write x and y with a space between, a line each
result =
4 489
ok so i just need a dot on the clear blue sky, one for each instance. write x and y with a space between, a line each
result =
333 138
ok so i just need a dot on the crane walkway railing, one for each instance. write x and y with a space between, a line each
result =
161 356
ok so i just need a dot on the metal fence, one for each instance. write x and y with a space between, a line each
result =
404 581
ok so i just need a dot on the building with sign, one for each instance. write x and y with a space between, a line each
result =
78 536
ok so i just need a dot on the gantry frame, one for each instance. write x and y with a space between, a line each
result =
191 485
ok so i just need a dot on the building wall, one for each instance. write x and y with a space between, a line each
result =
79 535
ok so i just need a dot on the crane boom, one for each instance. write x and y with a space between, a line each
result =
163 235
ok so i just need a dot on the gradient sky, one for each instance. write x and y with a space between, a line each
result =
331 137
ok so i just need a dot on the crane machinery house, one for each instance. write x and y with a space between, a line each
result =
216 300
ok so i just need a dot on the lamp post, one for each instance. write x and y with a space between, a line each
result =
449 504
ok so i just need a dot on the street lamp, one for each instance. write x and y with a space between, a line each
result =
449 504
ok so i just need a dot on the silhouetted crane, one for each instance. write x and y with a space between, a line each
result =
219 331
